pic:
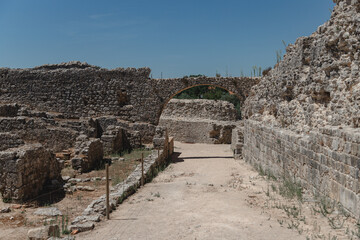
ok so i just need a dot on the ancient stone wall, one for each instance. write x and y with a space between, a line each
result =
304 115
199 120
318 81
89 153
78 89
237 140
326 160
8 140
200 108
25 170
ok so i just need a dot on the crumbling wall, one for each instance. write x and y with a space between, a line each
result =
199 120
113 139
318 81
303 117
77 89
25 170
200 109
237 141
89 153
8 140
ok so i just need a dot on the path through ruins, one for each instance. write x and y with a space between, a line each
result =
199 196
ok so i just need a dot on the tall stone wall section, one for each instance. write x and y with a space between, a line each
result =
199 120
81 90
318 82
303 117
326 161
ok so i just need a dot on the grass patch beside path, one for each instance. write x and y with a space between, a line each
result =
120 170
132 155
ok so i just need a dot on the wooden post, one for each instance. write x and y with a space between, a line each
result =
107 192
142 169
158 157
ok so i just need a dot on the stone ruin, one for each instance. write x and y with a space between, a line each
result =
79 112
35 144
199 120
302 119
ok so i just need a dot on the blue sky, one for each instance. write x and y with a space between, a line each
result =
172 37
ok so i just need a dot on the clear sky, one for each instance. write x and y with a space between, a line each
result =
175 37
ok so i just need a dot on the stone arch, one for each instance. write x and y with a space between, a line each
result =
240 86
213 85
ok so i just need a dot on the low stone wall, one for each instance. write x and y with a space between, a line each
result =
158 158
25 170
199 130
199 120
200 108
326 161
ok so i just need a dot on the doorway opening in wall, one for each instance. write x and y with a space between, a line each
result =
202 114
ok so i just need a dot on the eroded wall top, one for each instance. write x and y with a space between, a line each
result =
77 89
318 81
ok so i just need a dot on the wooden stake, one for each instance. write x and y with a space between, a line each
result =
107 192
142 169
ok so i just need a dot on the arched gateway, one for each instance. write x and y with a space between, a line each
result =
77 89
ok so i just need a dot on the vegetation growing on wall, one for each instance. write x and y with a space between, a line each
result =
212 93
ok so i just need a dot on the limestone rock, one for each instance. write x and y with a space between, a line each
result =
82 227
43 233
51 211
5 210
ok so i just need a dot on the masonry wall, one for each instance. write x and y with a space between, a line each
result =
326 161
199 120
81 90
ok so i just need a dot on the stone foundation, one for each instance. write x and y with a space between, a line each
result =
326 161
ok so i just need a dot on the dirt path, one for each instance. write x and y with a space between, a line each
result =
197 197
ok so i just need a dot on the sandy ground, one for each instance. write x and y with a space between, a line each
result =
196 197
19 221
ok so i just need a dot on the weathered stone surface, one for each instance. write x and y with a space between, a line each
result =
237 141
161 137
304 115
8 140
5 210
83 90
9 110
317 83
82 227
43 233
113 139
323 167
200 109
82 219
50 211
199 130
89 154
200 121
25 170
